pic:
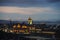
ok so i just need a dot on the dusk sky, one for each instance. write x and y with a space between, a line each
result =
39 10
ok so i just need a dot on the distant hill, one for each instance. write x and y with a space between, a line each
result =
8 21
4 21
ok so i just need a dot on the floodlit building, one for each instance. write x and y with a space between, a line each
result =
24 26
14 26
30 21
18 26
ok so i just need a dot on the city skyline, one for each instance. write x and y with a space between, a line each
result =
45 10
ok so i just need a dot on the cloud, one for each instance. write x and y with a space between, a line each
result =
19 1
53 0
25 10
28 1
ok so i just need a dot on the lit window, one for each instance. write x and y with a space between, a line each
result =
21 31
24 26
11 31
5 30
14 26
33 28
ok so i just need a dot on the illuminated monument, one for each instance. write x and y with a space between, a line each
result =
30 21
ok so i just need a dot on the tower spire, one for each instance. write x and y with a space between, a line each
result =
29 21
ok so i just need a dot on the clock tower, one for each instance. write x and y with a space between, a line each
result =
30 21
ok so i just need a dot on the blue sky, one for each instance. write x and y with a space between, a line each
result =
39 10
